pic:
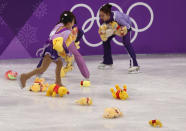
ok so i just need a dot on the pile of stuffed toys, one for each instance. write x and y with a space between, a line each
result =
54 90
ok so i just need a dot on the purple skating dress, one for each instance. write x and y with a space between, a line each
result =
70 49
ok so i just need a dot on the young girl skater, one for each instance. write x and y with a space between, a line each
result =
123 21
68 59
62 43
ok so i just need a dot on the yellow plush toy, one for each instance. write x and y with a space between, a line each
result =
54 89
112 113
58 44
39 85
121 31
69 60
120 93
77 45
118 30
85 83
84 101
155 123
102 32
64 70
113 28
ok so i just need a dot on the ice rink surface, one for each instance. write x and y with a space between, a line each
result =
158 92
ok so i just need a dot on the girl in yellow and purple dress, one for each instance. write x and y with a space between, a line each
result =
68 59
61 44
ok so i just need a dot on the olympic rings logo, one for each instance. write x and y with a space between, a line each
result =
93 18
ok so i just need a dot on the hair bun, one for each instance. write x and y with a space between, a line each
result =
66 17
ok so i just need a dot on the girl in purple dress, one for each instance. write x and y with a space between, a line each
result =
61 43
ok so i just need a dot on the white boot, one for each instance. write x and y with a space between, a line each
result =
134 69
102 66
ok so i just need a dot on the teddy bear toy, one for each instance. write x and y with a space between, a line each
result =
85 83
84 101
155 123
120 93
11 75
121 31
117 29
39 85
112 113
112 28
54 90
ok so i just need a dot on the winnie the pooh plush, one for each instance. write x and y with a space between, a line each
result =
85 83
102 32
54 90
39 85
112 113
120 93
112 28
69 65
69 62
155 123
84 101
117 29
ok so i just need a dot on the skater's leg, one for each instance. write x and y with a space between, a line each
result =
59 65
130 50
107 57
45 64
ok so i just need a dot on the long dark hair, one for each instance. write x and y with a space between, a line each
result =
67 17
106 8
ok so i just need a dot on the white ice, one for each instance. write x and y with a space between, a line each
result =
158 92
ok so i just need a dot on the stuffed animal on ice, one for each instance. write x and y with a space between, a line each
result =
84 101
54 90
119 93
112 113
155 123
85 83
112 28
39 85
11 75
